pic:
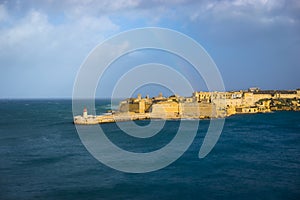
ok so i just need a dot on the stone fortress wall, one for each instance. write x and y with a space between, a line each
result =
199 106
210 104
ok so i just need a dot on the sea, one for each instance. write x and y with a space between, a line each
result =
42 157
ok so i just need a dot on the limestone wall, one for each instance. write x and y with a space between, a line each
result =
165 110
287 96
257 97
246 110
197 110
129 107
234 102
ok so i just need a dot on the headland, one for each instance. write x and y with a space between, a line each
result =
200 105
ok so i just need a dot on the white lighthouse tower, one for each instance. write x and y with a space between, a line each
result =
85 114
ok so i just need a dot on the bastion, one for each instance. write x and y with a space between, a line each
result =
200 105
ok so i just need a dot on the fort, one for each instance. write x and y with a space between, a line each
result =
200 105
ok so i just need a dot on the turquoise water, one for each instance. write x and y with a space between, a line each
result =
256 157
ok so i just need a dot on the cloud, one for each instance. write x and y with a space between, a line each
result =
34 51
35 32
3 13
33 25
104 5
52 38
96 24
261 11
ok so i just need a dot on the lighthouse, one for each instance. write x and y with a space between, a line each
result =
84 114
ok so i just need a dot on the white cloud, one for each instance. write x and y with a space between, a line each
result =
78 8
259 11
49 50
35 28
33 25
53 36
3 13
97 24
33 48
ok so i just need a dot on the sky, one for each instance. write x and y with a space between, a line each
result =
44 43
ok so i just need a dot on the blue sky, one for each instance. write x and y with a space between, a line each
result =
43 43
